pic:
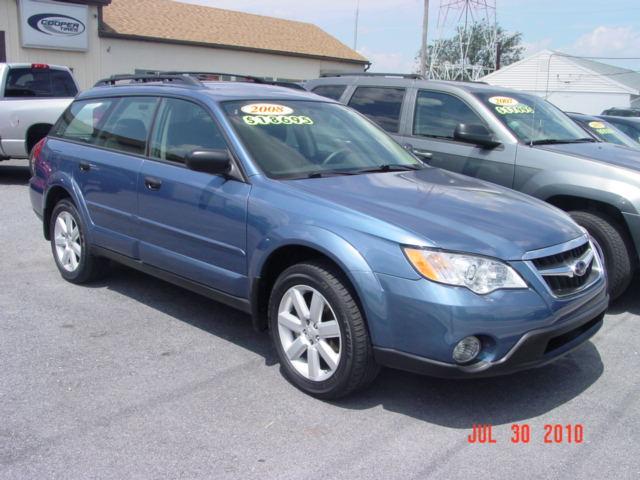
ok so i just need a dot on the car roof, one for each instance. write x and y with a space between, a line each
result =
582 116
30 65
391 81
217 91
629 120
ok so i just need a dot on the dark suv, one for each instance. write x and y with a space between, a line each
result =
514 139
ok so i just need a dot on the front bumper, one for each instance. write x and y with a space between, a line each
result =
534 349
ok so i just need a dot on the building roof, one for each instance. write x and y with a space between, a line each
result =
549 70
176 22
623 75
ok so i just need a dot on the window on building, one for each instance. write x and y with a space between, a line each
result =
380 104
438 114
39 82
333 92
182 127
127 127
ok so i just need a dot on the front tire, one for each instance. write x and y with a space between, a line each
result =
319 331
70 248
615 246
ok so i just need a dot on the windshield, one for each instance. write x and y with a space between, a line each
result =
532 119
299 139
607 133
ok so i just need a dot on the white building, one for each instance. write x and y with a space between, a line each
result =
98 38
573 84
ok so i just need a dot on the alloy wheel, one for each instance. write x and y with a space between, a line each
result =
67 241
309 333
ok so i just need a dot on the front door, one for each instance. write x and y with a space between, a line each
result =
193 224
435 117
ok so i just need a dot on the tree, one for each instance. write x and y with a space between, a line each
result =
477 43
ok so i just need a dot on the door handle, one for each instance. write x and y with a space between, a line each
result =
85 166
423 154
152 183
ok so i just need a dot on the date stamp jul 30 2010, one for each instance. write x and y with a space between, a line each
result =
554 433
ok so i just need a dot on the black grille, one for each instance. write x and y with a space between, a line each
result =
561 285
560 259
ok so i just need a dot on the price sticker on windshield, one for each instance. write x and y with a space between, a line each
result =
503 101
277 120
597 125
267 109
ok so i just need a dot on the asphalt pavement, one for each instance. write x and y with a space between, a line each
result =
133 378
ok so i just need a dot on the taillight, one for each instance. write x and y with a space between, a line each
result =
39 66
35 154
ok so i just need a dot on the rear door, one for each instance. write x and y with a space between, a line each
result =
108 140
193 224
430 133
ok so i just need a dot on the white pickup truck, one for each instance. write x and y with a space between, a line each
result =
32 97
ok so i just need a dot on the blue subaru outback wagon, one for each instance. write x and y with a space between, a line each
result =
302 212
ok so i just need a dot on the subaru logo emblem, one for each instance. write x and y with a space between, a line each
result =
580 268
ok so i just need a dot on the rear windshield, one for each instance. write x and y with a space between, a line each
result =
39 82
296 139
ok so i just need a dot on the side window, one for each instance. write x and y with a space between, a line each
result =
380 104
333 92
438 114
80 122
182 127
127 127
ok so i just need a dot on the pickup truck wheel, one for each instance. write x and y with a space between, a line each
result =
615 246
319 332
70 248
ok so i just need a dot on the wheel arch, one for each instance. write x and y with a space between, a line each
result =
35 133
576 202
329 247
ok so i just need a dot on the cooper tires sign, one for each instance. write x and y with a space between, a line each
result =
53 25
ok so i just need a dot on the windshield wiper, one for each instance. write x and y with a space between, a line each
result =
552 141
328 173
389 168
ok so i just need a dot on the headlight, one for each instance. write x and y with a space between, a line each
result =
479 274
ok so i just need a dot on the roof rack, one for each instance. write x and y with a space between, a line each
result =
204 76
412 76
169 78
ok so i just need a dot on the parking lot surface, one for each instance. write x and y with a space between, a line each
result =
133 378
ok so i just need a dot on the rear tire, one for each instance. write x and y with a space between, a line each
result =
302 339
69 246
616 247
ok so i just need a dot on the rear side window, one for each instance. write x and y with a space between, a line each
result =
81 121
182 127
127 127
39 82
380 104
438 114
333 92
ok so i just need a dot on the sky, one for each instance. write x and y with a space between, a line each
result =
389 31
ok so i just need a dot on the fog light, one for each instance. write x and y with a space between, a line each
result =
466 350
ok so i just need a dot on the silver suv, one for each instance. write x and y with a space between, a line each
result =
513 139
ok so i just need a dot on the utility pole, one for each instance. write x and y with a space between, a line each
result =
424 49
355 28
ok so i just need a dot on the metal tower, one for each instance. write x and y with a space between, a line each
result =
460 16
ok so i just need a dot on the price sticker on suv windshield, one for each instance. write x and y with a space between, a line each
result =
503 101
254 120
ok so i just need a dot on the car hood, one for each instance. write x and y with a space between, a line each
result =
449 210
601 152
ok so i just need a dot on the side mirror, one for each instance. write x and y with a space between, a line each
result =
216 162
476 134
